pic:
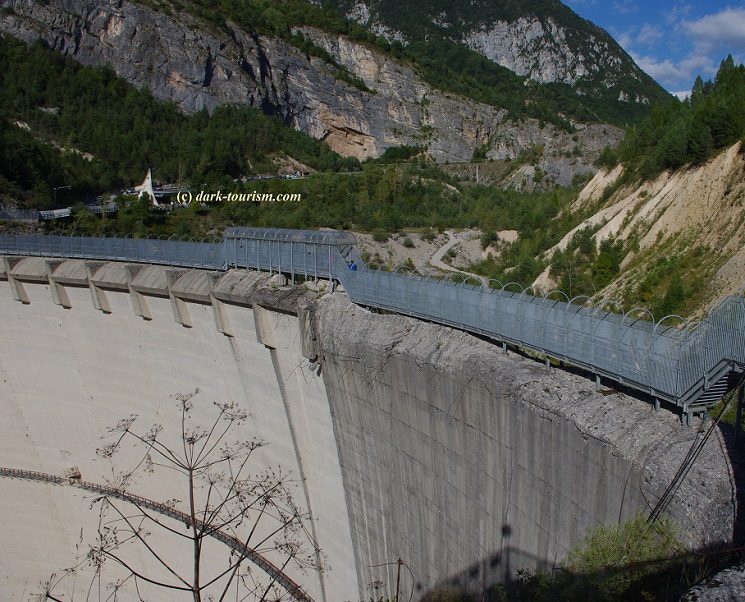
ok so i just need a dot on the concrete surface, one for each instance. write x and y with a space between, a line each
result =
469 464
405 439
66 374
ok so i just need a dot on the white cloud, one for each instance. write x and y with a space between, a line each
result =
625 7
725 28
663 71
682 94
677 13
705 41
625 39
648 35
673 73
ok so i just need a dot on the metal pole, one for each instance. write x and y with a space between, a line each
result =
331 276
738 421
398 579
54 192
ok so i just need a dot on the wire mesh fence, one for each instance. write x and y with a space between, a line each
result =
167 251
668 359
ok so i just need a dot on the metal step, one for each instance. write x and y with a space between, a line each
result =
719 389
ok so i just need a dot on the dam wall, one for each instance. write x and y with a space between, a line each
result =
402 439
69 371
470 463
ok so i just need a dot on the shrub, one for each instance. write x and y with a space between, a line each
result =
380 235
428 236
632 561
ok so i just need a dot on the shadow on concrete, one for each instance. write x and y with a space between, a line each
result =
497 577
736 454
493 579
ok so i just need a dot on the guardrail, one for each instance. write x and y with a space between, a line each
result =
232 542
166 251
668 359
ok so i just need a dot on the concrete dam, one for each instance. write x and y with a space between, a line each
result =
404 439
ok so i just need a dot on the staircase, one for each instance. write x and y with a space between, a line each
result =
719 389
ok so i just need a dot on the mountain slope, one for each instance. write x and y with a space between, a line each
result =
683 231
201 65
541 39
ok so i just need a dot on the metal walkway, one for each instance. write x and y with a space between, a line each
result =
669 360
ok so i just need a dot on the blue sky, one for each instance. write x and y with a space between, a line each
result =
672 40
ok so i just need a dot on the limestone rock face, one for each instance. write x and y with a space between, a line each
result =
536 49
544 41
200 67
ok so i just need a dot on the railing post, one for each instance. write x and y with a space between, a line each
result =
331 276
738 420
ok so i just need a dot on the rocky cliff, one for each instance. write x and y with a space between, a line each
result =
200 67
540 49
544 41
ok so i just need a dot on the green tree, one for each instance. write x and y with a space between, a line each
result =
673 299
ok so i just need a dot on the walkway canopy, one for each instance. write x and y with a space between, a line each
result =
336 238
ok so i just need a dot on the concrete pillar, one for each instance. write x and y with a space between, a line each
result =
59 294
98 295
16 287
178 306
139 303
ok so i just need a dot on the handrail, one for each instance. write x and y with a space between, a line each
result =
623 348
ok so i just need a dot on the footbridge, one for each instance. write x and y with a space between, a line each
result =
667 360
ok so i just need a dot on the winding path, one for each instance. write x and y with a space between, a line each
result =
437 262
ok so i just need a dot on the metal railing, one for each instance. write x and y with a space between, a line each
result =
166 251
668 359
671 363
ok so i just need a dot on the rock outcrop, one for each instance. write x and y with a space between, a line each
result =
200 67
544 41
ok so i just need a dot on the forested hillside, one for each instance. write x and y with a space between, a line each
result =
82 127
66 106
668 227
690 131
464 47
62 106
